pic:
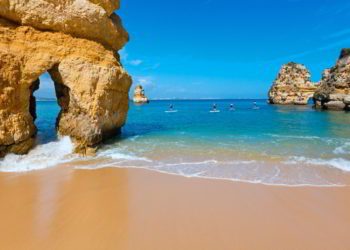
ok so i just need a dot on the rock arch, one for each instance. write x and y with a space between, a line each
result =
91 86
62 93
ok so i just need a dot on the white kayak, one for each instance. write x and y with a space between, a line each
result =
171 111
215 111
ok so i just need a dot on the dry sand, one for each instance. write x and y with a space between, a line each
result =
136 209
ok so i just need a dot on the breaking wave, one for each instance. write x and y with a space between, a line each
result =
42 156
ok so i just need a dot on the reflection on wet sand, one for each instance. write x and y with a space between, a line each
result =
63 208
63 212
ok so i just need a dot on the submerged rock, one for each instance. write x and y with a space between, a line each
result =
139 95
334 90
292 86
91 85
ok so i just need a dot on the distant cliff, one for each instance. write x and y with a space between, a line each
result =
334 90
292 86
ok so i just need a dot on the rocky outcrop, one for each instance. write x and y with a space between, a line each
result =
91 85
139 95
90 19
292 86
334 90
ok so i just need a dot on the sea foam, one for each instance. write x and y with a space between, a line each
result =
42 156
116 154
339 163
344 149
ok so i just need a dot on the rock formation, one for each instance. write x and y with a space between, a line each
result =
292 86
139 95
334 90
90 19
72 40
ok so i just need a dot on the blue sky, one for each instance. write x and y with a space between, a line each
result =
227 48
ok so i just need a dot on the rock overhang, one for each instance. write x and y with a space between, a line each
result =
91 19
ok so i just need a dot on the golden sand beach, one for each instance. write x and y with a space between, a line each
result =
65 208
236 90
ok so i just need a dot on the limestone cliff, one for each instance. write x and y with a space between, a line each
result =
334 90
91 19
139 95
91 85
292 86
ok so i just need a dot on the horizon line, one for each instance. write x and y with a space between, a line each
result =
168 99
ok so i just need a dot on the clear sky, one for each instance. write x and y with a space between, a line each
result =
227 48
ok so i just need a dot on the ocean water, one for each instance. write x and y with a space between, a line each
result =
274 145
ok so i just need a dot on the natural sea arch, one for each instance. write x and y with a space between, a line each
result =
91 88
45 108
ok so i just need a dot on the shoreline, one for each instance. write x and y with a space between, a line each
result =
116 208
238 181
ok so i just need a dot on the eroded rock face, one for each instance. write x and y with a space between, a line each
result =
139 95
91 19
91 86
292 86
334 90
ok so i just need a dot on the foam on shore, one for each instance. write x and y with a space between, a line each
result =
188 160
339 163
42 156
264 172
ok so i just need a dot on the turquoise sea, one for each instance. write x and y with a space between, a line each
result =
277 145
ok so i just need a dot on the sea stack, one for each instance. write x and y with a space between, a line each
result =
334 90
292 86
139 95
75 41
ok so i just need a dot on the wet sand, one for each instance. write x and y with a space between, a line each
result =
136 209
